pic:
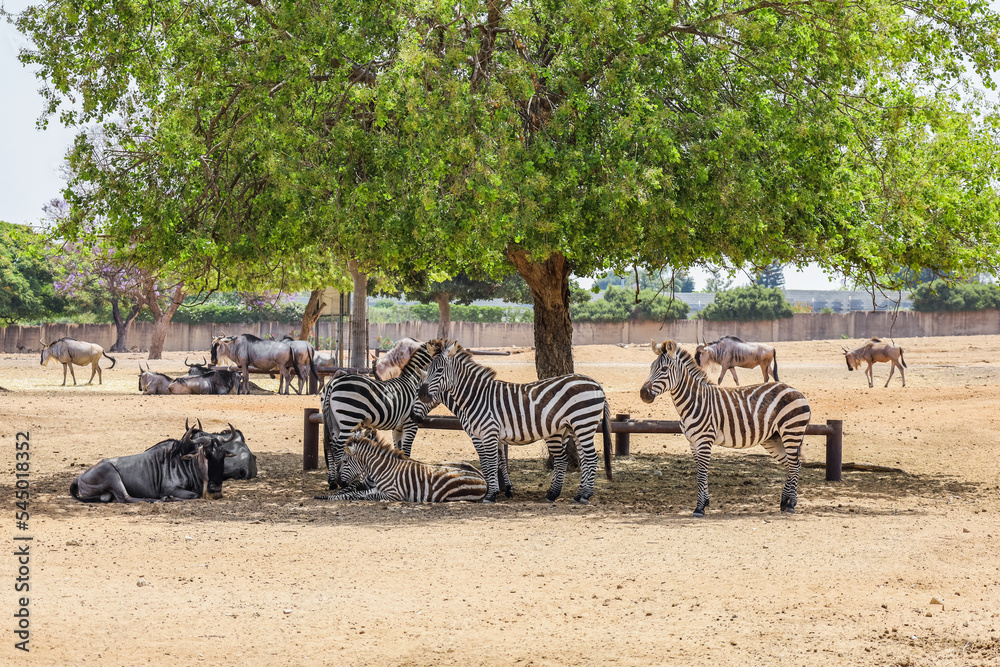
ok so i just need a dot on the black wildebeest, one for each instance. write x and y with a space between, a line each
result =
171 470
70 352
241 463
151 382
304 354
731 352
876 351
217 382
247 350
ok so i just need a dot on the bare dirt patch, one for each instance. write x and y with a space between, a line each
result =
268 575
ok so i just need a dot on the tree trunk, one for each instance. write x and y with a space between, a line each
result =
311 314
161 317
444 315
122 324
549 283
359 317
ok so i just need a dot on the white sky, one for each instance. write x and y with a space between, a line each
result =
30 158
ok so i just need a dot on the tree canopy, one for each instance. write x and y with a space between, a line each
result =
556 136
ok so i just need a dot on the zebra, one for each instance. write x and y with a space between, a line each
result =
559 410
350 400
740 417
375 470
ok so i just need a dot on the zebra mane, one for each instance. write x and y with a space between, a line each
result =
687 361
374 441
464 357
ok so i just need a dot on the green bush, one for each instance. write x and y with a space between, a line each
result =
219 313
618 304
748 303
937 296
392 312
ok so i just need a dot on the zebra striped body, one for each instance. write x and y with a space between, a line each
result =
740 417
358 400
373 470
560 410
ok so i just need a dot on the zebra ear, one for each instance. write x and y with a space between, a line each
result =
656 347
451 349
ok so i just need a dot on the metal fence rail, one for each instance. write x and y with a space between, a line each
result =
622 426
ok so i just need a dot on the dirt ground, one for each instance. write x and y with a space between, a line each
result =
883 568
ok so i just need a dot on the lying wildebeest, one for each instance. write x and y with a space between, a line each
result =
216 381
247 350
730 352
151 382
375 470
876 351
70 351
304 354
171 470
241 463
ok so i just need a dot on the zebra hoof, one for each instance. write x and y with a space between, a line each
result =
579 500
698 514
490 499
551 497
789 510
509 492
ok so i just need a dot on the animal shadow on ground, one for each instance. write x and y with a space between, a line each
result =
657 486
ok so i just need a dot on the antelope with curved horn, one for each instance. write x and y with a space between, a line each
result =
875 351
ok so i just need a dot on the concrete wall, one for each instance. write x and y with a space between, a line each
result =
858 324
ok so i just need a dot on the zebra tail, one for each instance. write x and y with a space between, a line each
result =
776 366
901 360
606 430
113 362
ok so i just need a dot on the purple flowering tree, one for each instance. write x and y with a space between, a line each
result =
90 268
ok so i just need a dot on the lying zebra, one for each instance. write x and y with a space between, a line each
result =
374 470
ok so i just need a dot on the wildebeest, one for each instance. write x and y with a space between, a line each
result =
304 354
247 350
151 382
391 364
171 470
731 351
217 382
876 351
241 463
70 351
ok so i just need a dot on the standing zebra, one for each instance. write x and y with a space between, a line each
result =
740 417
352 400
560 410
374 470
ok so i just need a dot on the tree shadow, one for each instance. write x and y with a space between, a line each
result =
647 488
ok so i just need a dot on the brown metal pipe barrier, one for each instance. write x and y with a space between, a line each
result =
621 425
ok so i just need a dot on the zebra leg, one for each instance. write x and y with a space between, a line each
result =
487 447
558 450
372 493
588 465
409 433
776 448
503 471
791 448
702 455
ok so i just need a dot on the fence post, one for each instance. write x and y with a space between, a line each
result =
622 438
310 441
834 450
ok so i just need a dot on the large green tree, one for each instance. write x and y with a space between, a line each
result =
551 136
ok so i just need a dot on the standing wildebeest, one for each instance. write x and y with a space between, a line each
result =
70 351
730 352
170 470
151 382
304 357
876 351
247 350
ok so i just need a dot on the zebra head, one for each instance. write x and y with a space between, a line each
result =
435 381
664 371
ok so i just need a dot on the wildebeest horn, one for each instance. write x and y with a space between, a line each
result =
42 342
187 364
186 427
204 362
844 349
187 434
232 434
199 424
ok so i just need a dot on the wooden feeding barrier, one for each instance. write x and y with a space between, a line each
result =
622 426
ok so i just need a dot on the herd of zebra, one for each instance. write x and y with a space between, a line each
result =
564 411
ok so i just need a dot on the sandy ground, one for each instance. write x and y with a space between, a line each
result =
882 568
